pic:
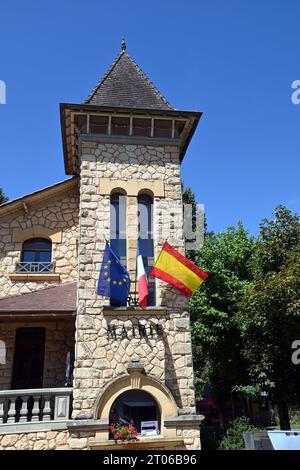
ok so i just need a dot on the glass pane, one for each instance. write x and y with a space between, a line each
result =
37 244
145 207
162 128
98 124
28 256
119 247
118 216
141 127
120 126
80 123
179 126
146 247
44 256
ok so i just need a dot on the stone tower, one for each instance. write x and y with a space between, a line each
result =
126 143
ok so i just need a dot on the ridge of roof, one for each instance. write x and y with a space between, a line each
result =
144 79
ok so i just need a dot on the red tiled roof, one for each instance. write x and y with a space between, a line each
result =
61 298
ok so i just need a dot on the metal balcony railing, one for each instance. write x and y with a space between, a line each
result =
35 405
34 267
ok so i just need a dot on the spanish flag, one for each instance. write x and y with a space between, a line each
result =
173 268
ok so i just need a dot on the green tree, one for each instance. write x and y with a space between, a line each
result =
270 313
227 257
3 198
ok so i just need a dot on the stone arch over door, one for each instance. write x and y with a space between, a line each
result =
136 381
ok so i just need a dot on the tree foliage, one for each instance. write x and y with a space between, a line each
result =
3 198
227 257
270 311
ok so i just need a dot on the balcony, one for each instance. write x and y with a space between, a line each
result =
31 408
34 267
34 271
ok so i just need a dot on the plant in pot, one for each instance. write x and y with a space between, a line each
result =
123 432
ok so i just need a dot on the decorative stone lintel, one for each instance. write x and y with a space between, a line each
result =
183 420
135 369
87 425
34 277
149 311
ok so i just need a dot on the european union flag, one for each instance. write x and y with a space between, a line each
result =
114 280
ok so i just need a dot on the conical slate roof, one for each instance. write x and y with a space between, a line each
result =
126 86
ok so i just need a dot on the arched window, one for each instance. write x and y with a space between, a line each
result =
118 228
145 218
36 256
118 225
138 407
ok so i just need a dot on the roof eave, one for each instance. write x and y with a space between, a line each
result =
41 194
118 109
195 115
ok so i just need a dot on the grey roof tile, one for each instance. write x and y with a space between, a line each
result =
59 298
125 85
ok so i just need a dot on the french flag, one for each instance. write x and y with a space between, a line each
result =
142 282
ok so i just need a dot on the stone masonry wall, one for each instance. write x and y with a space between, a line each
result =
56 213
60 338
45 440
65 440
100 359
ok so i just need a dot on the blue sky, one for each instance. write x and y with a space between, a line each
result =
234 60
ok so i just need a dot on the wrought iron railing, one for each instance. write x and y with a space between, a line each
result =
34 405
34 267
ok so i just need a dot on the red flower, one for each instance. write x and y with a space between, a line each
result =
116 436
131 422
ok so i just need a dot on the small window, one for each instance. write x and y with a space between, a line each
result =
98 124
163 128
141 127
120 126
36 256
179 126
80 123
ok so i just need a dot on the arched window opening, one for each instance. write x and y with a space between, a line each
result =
118 227
145 218
36 256
138 408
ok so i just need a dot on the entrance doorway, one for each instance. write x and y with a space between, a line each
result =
28 366
139 408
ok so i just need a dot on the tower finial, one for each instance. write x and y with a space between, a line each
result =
123 45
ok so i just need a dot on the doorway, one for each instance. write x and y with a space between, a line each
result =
28 365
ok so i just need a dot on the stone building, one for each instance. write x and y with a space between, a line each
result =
72 362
